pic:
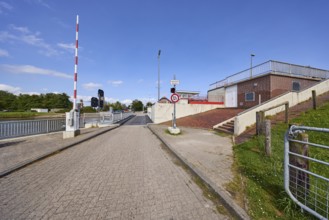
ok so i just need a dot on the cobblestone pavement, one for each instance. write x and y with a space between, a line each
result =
123 174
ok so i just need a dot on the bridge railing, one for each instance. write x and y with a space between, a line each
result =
104 117
271 66
11 129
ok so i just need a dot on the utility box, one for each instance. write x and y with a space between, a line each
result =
72 124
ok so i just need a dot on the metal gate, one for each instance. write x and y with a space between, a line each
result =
306 169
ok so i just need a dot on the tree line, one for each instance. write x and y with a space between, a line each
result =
24 102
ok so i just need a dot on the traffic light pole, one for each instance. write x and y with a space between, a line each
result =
174 118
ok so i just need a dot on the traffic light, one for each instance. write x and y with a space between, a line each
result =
100 93
173 90
101 98
94 102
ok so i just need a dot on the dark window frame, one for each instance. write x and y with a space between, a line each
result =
249 100
294 88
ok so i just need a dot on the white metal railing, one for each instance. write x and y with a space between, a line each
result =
306 176
10 129
274 67
105 117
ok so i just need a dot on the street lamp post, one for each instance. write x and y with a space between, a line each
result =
251 56
159 53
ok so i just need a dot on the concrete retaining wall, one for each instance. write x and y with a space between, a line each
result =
248 117
162 112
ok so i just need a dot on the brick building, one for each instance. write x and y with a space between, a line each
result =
264 82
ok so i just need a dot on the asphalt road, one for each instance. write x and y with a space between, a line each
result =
139 120
122 174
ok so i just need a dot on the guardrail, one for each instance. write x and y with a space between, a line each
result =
274 67
10 129
306 170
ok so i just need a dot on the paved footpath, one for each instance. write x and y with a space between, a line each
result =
122 174
209 155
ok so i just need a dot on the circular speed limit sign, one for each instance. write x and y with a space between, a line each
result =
174 98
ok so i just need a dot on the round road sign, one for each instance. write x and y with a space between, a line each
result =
174 98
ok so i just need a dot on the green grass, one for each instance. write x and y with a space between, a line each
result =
263 176
22 115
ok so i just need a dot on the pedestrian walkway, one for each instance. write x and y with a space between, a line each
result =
209 155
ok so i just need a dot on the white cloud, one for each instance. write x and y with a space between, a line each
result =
4 53
91 86
11 89
146 100
23 30
127 101
69 47
5 36
24 35
39 2
4 6
85 99
28 69
31 93
115 83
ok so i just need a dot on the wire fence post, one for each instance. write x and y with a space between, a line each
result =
268 149
314 99
298 178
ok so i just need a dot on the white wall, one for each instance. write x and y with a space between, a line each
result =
43 110
162 112
248 117
216 95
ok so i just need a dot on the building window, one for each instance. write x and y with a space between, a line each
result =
250 97
295 86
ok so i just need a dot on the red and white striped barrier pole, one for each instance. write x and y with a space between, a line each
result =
76 66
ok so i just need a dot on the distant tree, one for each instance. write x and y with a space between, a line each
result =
6 100
24 102
87 109
116 106
137 105
124 106
149 104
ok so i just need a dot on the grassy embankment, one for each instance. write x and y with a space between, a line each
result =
25 115
262 176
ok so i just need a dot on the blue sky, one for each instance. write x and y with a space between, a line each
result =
201 42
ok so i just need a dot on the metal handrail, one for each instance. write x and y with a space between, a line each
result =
10 129
272 66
